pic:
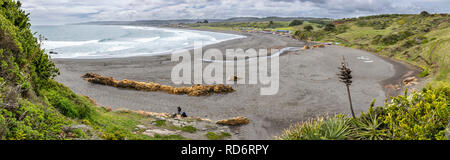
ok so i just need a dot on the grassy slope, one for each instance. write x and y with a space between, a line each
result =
419 40
433 30
34 106
431 53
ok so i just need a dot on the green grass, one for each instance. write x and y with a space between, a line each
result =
217 136
190 129
160 123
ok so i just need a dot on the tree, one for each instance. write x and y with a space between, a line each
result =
295 23
424 13
308 28
345 76
329 27
205 21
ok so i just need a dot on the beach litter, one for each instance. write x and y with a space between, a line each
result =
195 90
234 121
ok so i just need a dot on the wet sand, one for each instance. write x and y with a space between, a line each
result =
308 85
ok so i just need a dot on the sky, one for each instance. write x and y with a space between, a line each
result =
74 11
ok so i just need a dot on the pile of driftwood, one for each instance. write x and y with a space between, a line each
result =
234 121
195 90
314 46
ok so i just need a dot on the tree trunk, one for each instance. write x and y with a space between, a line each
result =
350 100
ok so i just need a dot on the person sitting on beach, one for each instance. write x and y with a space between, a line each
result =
179 109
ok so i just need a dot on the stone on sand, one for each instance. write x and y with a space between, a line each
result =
234 121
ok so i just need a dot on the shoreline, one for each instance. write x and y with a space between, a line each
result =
306 78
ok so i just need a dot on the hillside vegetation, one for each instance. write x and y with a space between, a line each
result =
262 25
422 40
34 106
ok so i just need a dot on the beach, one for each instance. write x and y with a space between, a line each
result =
309 86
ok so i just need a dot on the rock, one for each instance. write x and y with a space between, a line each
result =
107 108
84 128
161 118
177 124
234 121
305 47
141 127
152 132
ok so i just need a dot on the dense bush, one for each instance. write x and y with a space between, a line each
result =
308 28
295 23
32 105
419 116
322 128
329 27
31 121
394 38
20 49
375 24
67 102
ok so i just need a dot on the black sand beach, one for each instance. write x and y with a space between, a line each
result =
308 85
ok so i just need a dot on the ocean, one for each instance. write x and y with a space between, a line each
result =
108 41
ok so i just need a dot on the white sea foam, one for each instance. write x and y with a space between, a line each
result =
146 40
61 44
123 41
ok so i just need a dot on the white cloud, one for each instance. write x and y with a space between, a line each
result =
71 11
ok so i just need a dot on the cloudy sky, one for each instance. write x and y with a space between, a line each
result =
71 11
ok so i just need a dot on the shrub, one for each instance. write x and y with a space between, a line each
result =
322 128
3 127
308 28
424 13
418 116
341 29
295 23
33 121
330 27
424 73
67 102
421 115
394 38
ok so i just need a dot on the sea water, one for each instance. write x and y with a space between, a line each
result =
108 41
